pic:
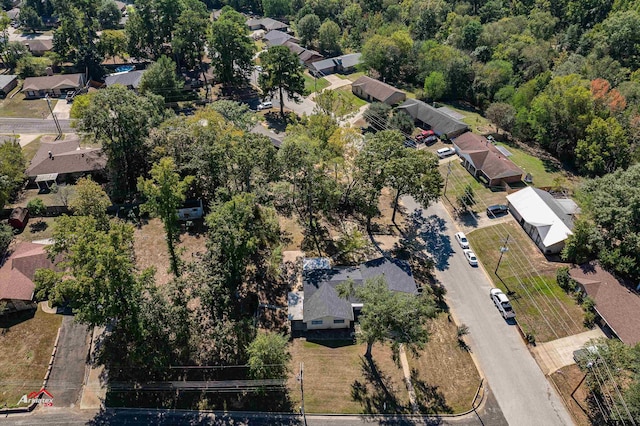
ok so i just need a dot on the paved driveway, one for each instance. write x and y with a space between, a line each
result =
68 370
522 391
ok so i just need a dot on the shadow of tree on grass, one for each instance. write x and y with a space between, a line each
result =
430 400
376 392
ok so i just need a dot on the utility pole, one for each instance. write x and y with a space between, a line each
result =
55 119
446 179
301 379
503 250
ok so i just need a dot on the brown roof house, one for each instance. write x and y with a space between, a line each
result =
430 118
16 275
57 160
483 159
52 85
38 46
374 90
617 305
306 56
267 24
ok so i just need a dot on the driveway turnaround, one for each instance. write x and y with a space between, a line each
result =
521 389
67 374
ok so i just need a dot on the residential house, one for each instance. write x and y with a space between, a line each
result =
548 221
430 118
319 307
38 46
344 64
52 85
306 56
130 80
278 38
17 274
374 90
267 24
616 305
57 160
484 160
8 82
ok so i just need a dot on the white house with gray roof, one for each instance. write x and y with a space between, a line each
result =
319 307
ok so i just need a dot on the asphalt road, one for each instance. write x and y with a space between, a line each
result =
522 391
67 374
33 125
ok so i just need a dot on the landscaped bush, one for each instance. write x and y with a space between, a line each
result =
36 207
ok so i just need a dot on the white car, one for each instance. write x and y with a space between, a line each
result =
462 240
471 257
265 105
502 303
258 68
445 152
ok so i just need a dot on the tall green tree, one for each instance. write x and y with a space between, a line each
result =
91 200
12 170
392 317
604 148
190 36
503 115
307 28
112 43
121 120
165 193
268 356
109 15
30 19
435 86
329 37
231 49
276 8
162 79
282 74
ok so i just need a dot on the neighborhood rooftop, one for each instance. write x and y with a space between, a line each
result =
66 157
376 89
128 79
482 155
615 303
16 275
439 121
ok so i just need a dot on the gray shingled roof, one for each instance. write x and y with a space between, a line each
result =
440 122
5 79
376 88
397 274
348 61
277 38
131 78
66 157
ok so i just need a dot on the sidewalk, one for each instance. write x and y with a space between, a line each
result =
93 390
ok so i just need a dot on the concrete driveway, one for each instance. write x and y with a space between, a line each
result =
67 374
521 389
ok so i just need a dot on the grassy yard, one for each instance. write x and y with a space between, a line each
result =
445 371
38 228
311 85
357 102
337 379
21 108
476 122
26 341
353 76
458 180
542 307
545 171
30 149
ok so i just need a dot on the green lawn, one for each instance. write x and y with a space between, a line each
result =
18 107
542 307
314 85
26 341
544 172
357 102
353 76
458 180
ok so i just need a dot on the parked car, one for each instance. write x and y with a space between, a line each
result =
502 303
265 105
258 68
410 144
462 240
425 134
431 139
70 95
471 257
497 210
445 152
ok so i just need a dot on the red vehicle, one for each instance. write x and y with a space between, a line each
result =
425 134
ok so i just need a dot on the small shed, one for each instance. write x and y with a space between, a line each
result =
19 217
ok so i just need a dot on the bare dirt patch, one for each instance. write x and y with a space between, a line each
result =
26 342
151 248
444 376
566 381
336 379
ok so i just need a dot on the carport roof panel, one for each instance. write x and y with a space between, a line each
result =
47 177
